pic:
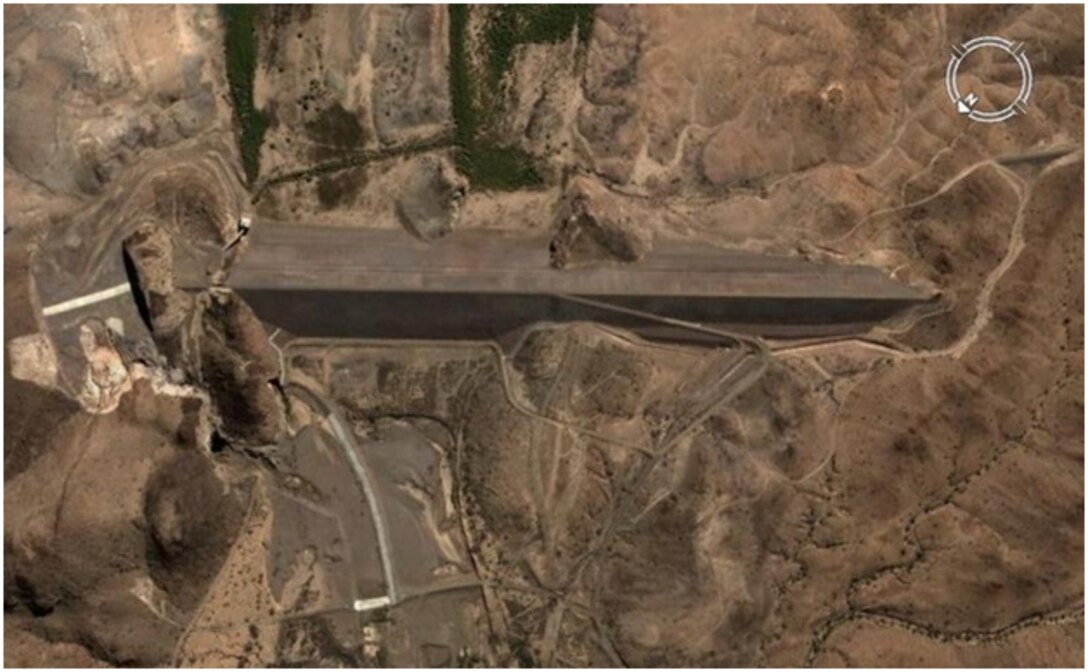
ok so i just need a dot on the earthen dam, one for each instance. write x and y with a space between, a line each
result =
483 284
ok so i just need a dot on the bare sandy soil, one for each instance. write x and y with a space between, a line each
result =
188 485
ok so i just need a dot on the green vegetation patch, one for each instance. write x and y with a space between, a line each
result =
336 189
240 46
512 25
490 166
336 132
476 97
461 87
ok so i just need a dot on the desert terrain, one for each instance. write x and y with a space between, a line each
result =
193 480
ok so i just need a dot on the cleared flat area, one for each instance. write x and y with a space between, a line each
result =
479 261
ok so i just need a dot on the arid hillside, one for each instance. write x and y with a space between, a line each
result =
190 482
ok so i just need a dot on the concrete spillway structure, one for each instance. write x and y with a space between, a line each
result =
481 284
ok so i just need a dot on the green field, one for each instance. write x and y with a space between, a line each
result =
241 22
475 92
513 25
476 96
